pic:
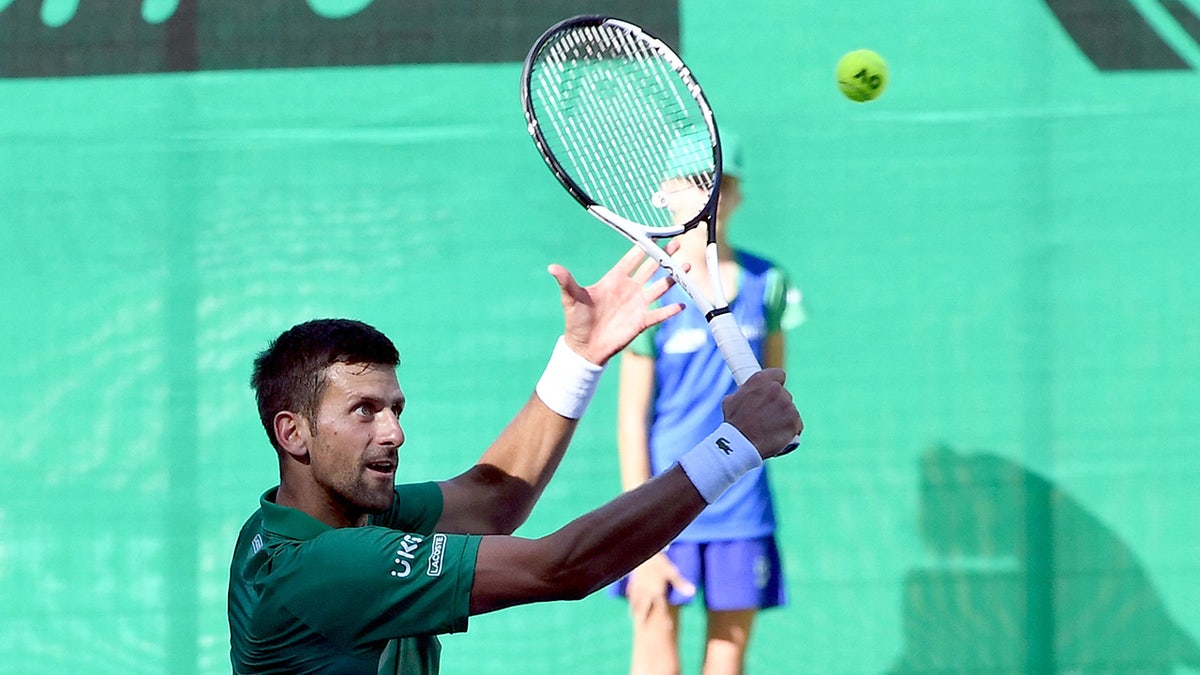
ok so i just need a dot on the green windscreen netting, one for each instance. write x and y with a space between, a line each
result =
999 371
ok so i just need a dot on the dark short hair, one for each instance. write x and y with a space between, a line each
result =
290 374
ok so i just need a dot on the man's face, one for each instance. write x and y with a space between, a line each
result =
354 449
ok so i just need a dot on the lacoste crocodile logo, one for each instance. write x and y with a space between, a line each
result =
723 444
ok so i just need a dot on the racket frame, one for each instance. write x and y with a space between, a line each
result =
728 336
705 214
730 340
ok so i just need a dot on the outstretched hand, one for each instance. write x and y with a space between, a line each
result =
603 318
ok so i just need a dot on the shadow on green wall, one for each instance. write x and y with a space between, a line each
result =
1023 579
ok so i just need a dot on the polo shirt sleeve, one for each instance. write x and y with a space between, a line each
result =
783 302
360 584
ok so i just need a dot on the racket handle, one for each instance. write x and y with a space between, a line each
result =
734 347
739 356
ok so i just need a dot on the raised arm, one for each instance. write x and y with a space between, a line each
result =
599 547
496 495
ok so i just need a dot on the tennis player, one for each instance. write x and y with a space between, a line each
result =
340 570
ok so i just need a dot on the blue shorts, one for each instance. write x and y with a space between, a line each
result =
733 575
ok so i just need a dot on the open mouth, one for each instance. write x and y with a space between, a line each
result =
386 467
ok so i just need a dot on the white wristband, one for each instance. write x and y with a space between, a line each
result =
719 460
569 381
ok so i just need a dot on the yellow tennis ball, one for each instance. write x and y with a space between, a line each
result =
862 75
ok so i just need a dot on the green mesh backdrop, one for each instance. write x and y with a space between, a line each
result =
998 374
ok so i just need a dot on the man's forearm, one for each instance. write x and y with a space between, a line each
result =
590 551
607 543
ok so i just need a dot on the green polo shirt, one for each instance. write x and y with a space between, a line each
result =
305 597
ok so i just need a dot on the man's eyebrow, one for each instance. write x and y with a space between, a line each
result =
381 401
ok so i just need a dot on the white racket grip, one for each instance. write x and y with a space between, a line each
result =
734 347
739 356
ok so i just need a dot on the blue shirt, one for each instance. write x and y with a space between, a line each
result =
691 379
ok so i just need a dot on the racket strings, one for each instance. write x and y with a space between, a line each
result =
633 106
619 109
622 119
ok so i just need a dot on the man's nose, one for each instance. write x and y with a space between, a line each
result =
391 433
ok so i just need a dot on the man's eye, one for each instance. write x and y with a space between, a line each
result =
364 410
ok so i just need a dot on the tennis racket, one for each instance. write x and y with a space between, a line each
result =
624 126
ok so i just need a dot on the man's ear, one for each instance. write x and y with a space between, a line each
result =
292 432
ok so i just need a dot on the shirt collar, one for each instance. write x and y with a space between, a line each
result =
288 522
